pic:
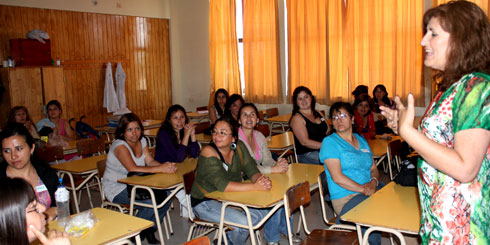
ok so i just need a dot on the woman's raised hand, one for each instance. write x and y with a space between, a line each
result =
263 183
168 167
401 118
54 237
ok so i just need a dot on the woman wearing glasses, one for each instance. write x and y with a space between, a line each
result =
220 168
22 217
352 175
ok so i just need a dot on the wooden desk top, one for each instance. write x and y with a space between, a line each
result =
379 146
80 166
280 119
151 132
194 114
296 174
147 124
204 138
110 227
281 141
394 206
162 180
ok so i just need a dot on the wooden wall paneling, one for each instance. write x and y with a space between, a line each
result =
27 82
54 85
84 41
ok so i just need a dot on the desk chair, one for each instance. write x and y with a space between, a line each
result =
122 208
50 154
394 157
204 240
201 108
274 127
87 148
264 129
199 228
299 195
365 237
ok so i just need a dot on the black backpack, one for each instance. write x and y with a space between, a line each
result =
84 130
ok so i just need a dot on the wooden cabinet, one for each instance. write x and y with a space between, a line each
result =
31 87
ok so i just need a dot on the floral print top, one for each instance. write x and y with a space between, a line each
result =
454 212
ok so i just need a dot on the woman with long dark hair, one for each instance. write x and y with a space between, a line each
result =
220 168
176 138
232 107
453 138
17 150
21 216
19 114
130 153
218 109
308 125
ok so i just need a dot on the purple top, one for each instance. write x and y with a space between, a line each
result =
167 152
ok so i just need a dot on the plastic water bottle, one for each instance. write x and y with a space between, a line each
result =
62 196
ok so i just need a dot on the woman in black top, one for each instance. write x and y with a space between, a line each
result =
309 126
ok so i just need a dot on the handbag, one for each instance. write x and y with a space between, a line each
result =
407 176
142 194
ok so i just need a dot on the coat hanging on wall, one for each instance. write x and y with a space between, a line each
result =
110 98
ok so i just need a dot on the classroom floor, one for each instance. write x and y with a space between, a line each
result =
181 225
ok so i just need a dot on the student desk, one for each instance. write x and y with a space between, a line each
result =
394 207
204 138
198 116
159 181
112 227
273 198
84 167
282 120
147 124
379 147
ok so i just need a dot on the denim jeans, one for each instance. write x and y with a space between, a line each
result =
143 212
311 157
375 237
210 210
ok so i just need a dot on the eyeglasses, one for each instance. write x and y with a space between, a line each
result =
34 209
220 133
339 116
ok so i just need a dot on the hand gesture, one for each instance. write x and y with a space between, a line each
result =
263 183
404 115
54 237
168 167
281 166
189 129
391 116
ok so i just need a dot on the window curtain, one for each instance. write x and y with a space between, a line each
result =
484 4
261 51
307 46
223 47
383 46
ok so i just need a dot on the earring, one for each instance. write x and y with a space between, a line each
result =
233 145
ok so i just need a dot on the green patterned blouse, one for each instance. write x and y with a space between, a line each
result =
455 212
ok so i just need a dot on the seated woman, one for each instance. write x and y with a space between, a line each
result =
61 126
17 149
217 110
308 125
351 173
176 137
256 143
232 107
129 153
220 168
19 114
380 98
363 116
21 215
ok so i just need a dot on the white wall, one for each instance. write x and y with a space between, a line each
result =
144 8
189 45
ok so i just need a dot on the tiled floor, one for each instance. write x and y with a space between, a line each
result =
181 225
